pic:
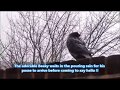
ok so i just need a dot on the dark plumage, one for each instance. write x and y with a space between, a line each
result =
77 47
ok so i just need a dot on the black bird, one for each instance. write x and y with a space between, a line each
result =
77 47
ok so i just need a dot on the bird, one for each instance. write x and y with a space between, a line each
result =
76 46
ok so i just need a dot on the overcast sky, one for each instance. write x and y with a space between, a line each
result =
4 25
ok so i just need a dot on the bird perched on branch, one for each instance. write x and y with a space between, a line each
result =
77 47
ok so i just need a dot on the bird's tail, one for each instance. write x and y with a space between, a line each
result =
87 56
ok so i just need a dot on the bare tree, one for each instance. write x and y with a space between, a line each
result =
40 37
99 36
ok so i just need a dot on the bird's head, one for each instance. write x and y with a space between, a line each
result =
75 35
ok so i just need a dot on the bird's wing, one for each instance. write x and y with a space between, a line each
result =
78 47
83 49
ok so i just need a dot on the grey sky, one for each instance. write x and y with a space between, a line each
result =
12 14
4 27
